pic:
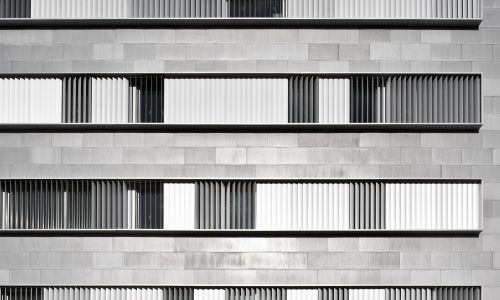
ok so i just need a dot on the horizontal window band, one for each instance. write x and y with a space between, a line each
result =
241 293
202 75
296 99
183 206
236 9
258 179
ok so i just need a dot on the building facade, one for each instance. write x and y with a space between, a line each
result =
319 149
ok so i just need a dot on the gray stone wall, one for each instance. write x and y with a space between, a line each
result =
259 260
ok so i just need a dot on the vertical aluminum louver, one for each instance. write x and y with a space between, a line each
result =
416 99
124 205
367 205
209 294
288 9
110 100
297 206
77 99
383 9
334 294
80 9
367 294
256 293
239 293
303 103
30 100
385 99
469 293
188 9
256 8
302 294
225 205
419 294
179 206
126 100
432 206
208 100
334 101
15 8
69 293
80 204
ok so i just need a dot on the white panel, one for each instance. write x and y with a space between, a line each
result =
80 9
226 101
31 100
65 293
110 97
132 200
206 294
292 294
178 205
297 206
334 97
421 206
367 294
381 9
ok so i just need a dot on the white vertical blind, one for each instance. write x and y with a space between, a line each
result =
450 206
110 100
367 294
5 210
302 206
30 100
383 9
178 206
70 293
208 100
334 100
209 294
80 9
302 294
132 200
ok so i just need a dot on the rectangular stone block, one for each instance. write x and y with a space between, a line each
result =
354 52
415 52
323 51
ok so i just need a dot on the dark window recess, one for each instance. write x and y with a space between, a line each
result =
149 91
81 204
255 8
150 204
303 99
15 8
225 205
365 91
